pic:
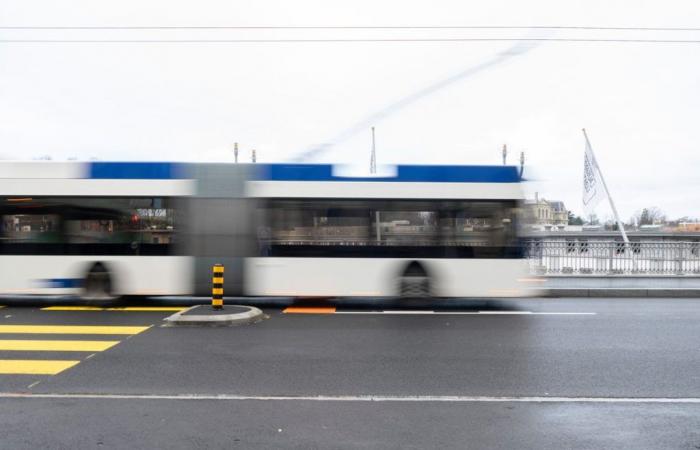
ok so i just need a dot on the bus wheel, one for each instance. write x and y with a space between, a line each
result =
97 285
414 282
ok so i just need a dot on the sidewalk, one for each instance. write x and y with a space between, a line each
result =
622 286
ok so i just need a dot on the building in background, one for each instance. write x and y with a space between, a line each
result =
545 214
687 227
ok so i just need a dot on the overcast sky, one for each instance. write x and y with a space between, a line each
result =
640 103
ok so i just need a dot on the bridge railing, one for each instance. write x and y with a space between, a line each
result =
584 257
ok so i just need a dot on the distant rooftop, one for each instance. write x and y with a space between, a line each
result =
557 205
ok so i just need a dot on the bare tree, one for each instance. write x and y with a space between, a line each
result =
650 216
593 219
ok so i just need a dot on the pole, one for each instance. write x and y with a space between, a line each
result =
607 192
254 157
505 154
235 152
522 163
373 158
217 287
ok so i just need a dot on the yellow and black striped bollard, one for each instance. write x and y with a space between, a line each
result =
217 287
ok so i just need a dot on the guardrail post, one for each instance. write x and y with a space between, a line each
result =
217 287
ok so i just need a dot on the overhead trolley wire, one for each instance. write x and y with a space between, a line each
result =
349 40
351 27
118 40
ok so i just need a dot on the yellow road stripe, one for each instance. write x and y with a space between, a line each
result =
72 308
34 367
70 329
121 308
309 310
56 346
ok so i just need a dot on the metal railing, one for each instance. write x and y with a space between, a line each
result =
584 257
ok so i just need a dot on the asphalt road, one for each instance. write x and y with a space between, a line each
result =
568 373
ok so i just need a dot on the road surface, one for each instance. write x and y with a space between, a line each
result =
537 373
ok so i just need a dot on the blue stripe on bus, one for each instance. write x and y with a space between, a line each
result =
61 282
310 172
136 170
433 174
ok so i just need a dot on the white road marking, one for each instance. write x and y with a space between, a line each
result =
565 313
470 313
362 398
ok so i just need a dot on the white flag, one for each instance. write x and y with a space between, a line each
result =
593 191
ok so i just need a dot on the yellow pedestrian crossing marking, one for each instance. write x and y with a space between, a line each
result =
72 308
34 367
121 308
70 329
53 366
56 346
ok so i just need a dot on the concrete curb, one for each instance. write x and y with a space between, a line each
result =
252 315
622 292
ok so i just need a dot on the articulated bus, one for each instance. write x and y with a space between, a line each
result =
106 229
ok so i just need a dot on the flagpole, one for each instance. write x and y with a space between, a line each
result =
607 192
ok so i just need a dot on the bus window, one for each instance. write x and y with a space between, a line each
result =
128 225
88 225
307 224
480 229
19 228
405 223
387 228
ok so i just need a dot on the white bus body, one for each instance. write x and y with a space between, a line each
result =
450 226
370 275
62 274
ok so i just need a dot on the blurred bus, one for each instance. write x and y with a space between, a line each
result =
106 229
93 229
443 231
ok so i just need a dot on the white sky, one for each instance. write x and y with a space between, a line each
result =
172 101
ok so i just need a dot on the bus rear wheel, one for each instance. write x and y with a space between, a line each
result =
97 285
414 282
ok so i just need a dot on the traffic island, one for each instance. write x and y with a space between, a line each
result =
205 315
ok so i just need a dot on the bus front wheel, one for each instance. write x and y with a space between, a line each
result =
97 285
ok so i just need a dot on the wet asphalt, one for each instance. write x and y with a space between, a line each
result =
625 373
